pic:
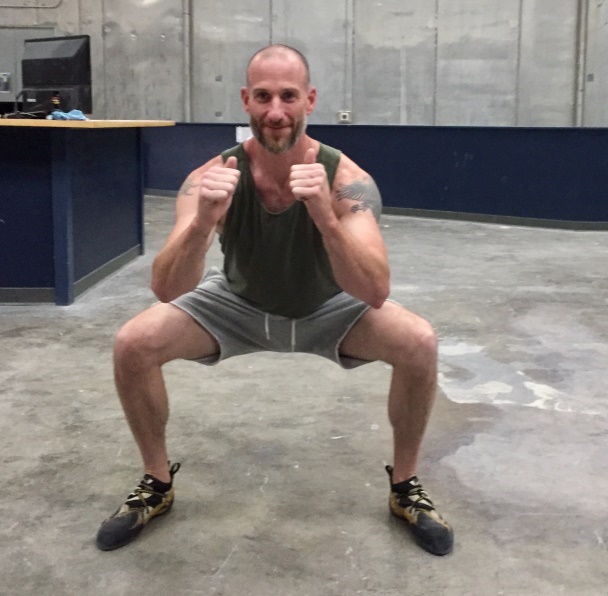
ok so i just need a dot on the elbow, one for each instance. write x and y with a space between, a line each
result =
378 301
156 285
378 298
167 292
381 287
162 290
160 285
161 293
382 290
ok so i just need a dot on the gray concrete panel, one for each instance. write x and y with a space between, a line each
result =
547 74
471 62
91 20
143 59
477 60
317 28
8 66
18 17
30 3
596 73
222 43
394 63
64 16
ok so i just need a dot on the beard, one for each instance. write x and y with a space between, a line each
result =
278 145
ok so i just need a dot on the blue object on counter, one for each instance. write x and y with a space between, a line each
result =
71 115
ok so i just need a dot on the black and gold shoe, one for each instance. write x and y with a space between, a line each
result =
150 499
409 501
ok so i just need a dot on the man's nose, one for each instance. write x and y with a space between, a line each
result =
276 111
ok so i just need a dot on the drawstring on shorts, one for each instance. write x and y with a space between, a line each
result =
293 330
267 326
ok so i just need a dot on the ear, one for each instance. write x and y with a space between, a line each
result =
245 99
311 100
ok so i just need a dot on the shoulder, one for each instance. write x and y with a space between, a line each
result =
355 190
348 170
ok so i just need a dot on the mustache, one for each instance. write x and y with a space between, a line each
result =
277 126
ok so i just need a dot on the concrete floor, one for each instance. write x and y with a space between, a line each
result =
282 489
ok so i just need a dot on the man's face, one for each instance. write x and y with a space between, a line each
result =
278 100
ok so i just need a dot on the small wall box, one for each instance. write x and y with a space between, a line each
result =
345 117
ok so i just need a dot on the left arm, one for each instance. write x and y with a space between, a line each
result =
347 216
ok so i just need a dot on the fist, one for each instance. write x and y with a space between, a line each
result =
219 183
216 189
308 181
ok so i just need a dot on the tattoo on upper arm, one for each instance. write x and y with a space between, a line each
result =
366 195
186 188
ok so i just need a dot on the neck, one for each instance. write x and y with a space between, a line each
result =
271 171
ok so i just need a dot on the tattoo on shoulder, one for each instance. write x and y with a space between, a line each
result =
186 188
366 195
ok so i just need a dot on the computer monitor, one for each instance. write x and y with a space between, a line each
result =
56 74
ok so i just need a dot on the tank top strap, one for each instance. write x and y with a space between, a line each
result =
236 151
330 158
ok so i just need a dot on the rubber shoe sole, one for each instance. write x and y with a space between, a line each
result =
433 535
122 528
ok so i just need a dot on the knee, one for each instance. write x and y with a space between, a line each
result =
419 348
426 338
134 345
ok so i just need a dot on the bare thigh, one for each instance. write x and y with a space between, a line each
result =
168 333
387 334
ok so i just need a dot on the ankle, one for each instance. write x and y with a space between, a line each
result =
399 476
160 474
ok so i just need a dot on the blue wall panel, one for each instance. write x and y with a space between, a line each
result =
171 153
106 207
26 245
529 173
543 173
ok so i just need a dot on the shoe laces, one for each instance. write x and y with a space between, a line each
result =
144 493
415 498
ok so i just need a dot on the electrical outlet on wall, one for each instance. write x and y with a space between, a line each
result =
345 117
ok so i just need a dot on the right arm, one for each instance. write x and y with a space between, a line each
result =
202 203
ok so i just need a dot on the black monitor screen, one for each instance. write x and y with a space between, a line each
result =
56 62
57 67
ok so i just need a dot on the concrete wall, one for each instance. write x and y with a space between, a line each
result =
595 80
417 62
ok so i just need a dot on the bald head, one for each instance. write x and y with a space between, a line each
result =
279 51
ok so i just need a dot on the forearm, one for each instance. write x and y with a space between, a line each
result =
179 266
202 203
360 271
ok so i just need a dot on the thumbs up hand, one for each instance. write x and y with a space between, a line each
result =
308 183
216 189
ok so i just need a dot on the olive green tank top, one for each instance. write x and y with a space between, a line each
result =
277 261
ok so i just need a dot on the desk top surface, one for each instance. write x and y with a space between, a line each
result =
84 123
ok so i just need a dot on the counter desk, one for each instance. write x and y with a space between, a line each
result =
71 205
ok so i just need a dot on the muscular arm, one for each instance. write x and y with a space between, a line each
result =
363 194
354 244
346 216
179 266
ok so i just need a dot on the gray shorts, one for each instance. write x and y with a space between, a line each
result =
240 328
